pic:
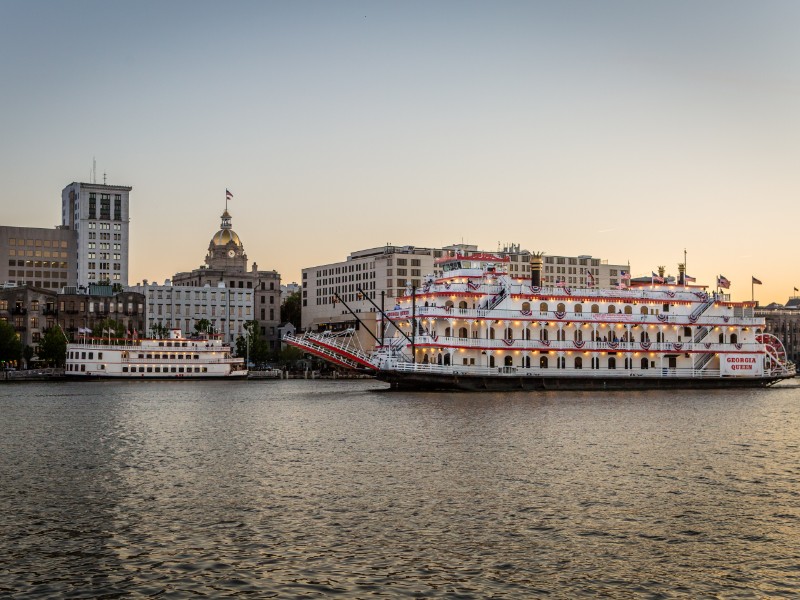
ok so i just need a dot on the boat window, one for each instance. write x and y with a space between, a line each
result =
509 334
687 331
734 338
491 361
462 333
643 310
462 304
577 335
543 362
149 355
560 307
543 335
124 369
491 333
628 310
578 309
149 369
595 308
526 306
578 362
612 309
612 362
644 363
543 307
508 361
446 332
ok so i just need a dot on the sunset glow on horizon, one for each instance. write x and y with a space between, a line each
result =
628 131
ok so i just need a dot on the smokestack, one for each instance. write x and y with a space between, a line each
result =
681 273
661 270
536 268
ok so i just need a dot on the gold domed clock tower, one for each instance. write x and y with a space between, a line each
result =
226 250
227 271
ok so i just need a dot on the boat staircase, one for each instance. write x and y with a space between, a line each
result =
494 302
701 334
701 309
340 348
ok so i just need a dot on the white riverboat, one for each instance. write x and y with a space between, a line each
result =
476 327
176 357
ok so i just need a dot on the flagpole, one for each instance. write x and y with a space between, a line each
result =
752 289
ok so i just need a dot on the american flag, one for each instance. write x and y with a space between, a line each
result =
723 282
756 281
656 278
228 195
625 275
689 279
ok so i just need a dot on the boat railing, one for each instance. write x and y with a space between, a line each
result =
583 346
511 371
584 317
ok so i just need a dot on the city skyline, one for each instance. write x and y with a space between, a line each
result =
630 132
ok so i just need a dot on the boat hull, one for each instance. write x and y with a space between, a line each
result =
151 376
464 382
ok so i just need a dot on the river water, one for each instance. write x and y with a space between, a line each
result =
297 489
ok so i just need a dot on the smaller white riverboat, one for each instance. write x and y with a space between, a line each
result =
175 357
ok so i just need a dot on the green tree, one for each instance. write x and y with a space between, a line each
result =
53 347
290 310
102 328
203 326
10 346
159 331
27 355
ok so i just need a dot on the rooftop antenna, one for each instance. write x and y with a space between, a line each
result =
94 170
104 177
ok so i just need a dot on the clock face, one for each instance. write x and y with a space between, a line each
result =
231 253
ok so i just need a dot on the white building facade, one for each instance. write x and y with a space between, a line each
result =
389 270
182 306
100 216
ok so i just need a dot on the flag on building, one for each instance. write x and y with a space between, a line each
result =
756 281
228 195
689 278
723 282
656 278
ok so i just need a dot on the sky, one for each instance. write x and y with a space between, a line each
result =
627 130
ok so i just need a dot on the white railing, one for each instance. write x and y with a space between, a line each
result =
584 317
587 373
520 344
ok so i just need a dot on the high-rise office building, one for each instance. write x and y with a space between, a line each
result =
99 214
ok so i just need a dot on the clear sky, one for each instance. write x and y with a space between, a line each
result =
627 130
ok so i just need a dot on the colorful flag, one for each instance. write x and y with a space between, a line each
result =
625 275
689 278
589 278
723 282
656 278
228 195
756 281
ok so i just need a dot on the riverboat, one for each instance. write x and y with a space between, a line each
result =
477 328
175 357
